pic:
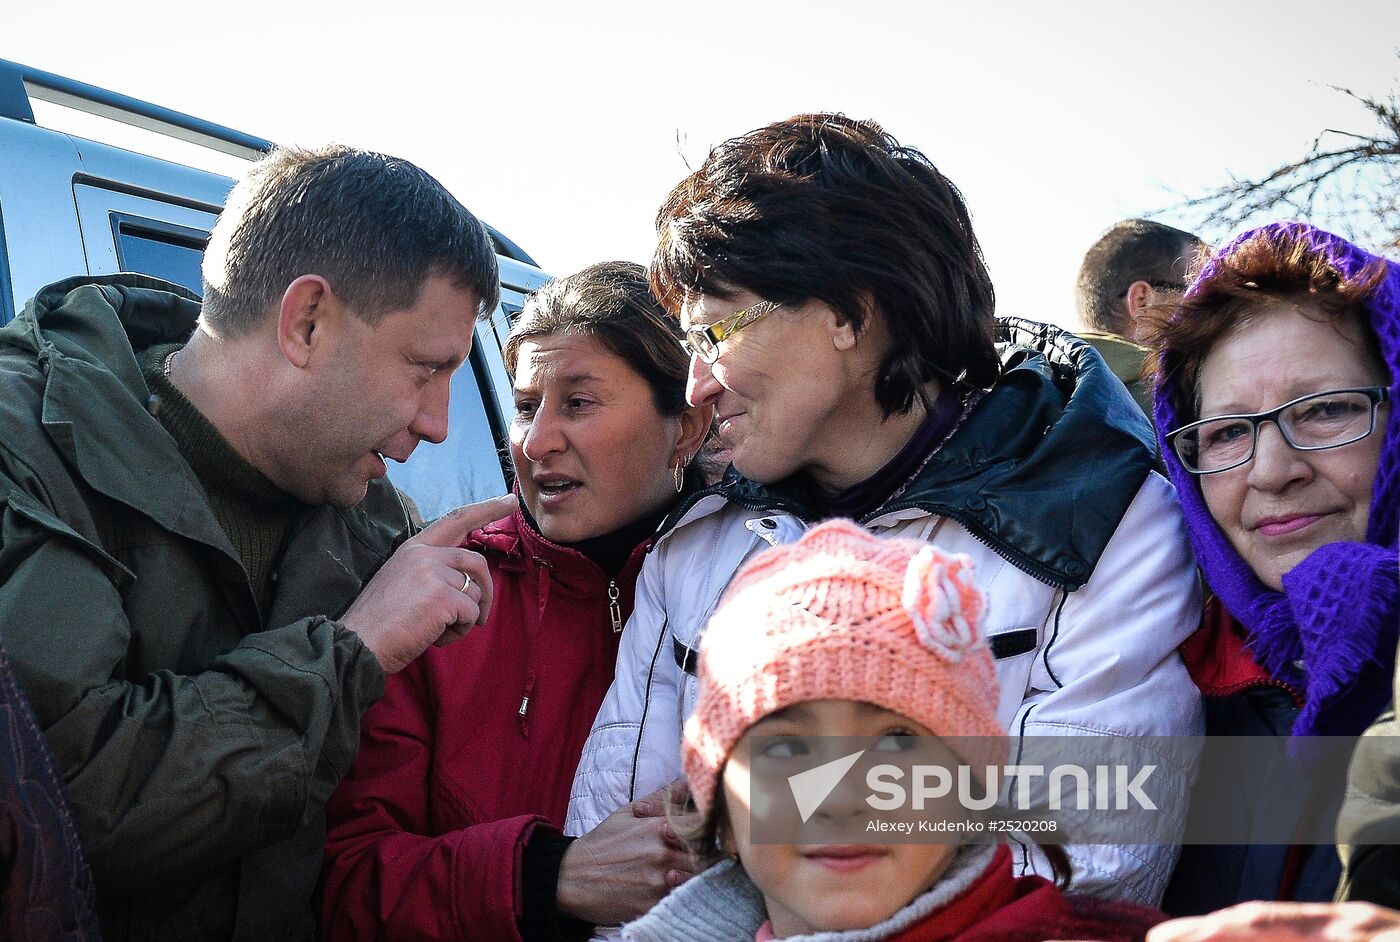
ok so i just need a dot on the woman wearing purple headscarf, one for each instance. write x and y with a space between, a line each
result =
1276 385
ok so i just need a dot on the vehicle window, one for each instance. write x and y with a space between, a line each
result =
161 249
468 466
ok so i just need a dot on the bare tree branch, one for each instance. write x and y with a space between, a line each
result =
1353 188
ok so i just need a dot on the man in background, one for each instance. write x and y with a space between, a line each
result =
1134 266
202 576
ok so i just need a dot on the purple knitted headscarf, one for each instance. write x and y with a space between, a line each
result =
1332 631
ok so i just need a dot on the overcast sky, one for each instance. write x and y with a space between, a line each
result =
564 124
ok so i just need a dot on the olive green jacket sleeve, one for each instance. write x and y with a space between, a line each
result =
198 732
1368 827
184 740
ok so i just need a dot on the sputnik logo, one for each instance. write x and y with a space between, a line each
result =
810 788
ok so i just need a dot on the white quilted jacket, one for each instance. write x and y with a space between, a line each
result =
1099 660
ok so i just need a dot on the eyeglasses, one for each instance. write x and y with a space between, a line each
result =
703 340
1311 423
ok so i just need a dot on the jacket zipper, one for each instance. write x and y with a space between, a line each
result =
523 712
614 607
1246 685
1013 557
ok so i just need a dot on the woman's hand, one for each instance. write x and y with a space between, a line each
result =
623 867
1285 922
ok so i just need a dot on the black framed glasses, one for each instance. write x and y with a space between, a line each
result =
1310 423
703 340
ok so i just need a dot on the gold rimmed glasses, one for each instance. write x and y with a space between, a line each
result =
703 340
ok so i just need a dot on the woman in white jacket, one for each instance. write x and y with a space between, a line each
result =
840 320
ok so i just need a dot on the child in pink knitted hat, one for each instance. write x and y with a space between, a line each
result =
843 634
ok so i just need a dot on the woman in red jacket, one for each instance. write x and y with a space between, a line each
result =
448 826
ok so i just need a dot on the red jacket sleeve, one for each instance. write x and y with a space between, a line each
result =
387 874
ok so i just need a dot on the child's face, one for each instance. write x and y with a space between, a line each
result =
809 888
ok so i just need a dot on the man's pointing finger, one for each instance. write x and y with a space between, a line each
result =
452 527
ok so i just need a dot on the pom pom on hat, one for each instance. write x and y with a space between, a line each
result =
945 606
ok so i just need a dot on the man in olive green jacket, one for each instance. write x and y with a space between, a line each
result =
1137 267
200 589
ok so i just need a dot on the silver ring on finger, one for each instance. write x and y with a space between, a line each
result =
466 583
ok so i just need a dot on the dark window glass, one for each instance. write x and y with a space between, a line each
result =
165 251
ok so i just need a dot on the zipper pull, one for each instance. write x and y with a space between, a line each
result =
614 609
524 706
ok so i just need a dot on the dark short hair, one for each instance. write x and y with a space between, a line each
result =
1131 250
1275 264
823 206
612 303
375 227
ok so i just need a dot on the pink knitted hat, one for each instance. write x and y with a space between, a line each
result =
844 615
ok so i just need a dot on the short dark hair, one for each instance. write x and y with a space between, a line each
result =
827 207
612 303
375 227
1278 263
1131 250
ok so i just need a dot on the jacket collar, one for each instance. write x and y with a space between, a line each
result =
1041 471
1219 660
514 541
723 904
96 405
